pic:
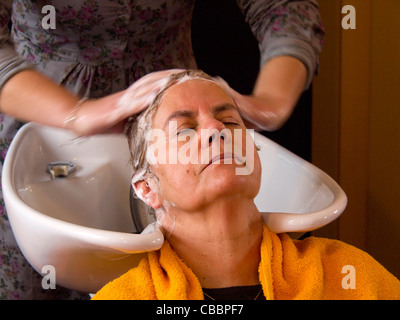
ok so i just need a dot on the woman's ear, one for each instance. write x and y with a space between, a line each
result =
147 192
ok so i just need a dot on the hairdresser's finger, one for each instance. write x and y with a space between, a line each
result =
139 95
244 106
252 117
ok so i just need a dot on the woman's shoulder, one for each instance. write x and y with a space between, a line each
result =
346 269
136 284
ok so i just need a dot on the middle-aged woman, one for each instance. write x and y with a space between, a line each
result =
96 49
217 245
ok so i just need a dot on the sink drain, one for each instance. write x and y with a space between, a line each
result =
60 169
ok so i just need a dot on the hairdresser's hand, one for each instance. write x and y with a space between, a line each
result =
95 116
256 113
108 114
140 94
278 88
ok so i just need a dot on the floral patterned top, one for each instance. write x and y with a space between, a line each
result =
102 46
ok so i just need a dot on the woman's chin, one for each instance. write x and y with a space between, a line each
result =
223 179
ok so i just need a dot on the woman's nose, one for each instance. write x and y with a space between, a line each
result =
215 131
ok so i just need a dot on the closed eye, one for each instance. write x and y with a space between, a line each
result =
229 123
186 130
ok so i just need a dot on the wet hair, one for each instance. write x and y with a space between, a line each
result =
139 125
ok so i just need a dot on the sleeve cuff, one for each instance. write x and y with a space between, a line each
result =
10 65
294 48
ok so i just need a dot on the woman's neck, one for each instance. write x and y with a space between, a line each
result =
221 244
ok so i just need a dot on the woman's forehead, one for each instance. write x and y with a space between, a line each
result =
193 95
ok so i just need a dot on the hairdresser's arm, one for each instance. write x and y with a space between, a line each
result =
30 96
278 87
290 36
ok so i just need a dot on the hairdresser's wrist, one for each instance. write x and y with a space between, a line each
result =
70 119
30 96
277 90
92 116
266 113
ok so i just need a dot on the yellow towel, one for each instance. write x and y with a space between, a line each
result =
313 268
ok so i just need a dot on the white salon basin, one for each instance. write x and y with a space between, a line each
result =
295 195
82 224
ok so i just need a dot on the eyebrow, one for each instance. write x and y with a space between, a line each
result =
224 107
190 114
178 114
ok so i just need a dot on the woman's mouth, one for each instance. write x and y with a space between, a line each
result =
227 158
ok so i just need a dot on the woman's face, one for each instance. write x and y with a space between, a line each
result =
207 153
